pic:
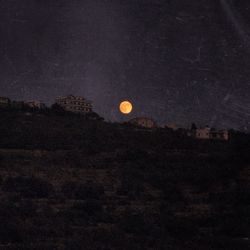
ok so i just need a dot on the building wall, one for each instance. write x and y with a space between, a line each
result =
219 135
207 133
143 122
74 104
202 133
4 101
226 135
172 126
35 104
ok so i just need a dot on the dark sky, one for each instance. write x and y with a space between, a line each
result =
178 61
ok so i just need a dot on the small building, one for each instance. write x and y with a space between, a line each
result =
219 135
172 126
35 104
202 133
143 122
74 104
208 133
4 101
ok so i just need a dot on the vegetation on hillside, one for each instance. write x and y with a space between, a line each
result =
73 182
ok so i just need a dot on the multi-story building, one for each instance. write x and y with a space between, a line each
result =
74 104
4 101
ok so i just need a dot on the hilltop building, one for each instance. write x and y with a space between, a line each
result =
202 133
35 104
172 126
4 101
74 104
208 133
143 122
219 135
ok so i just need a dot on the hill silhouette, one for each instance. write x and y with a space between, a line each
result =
78 182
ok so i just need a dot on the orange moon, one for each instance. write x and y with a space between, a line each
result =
126 107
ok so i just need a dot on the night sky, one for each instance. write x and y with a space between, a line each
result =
177 61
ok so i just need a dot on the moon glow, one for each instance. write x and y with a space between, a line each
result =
126 107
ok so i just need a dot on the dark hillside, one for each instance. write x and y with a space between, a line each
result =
71 182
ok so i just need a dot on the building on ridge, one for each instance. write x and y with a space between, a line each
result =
4 101
74 104
35 104
209 133
143 122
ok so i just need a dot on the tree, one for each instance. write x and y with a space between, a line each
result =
94 116
193 126
57 108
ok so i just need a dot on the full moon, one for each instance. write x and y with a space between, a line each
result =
126 107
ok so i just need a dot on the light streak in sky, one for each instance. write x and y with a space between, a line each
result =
236 22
